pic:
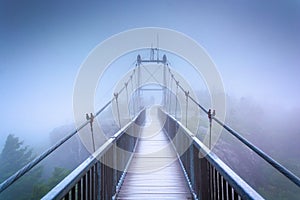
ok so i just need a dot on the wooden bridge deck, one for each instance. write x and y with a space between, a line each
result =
155 172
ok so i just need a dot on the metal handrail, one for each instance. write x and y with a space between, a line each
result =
13 178
9 181
61 189
242 188
283 170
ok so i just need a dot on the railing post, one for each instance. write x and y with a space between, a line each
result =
211 114
116 95
186 107
165 80
98 185
139 81
114 168
192 168
105 181
204 178
170 93
177 85
168 124
127 100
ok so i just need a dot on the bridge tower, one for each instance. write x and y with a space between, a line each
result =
155 59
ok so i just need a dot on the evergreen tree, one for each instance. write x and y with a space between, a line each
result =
12 158
41 189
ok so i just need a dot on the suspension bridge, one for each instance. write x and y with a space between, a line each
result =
155 154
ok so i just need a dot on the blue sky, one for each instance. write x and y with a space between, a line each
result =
255 45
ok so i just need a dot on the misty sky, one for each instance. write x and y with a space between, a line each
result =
254 44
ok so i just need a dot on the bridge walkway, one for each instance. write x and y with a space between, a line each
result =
154 172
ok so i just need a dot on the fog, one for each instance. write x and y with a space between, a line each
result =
255 46
274 129
278 135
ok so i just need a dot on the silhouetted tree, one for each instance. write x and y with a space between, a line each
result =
41 189
12 158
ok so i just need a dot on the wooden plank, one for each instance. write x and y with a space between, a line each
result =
154 172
